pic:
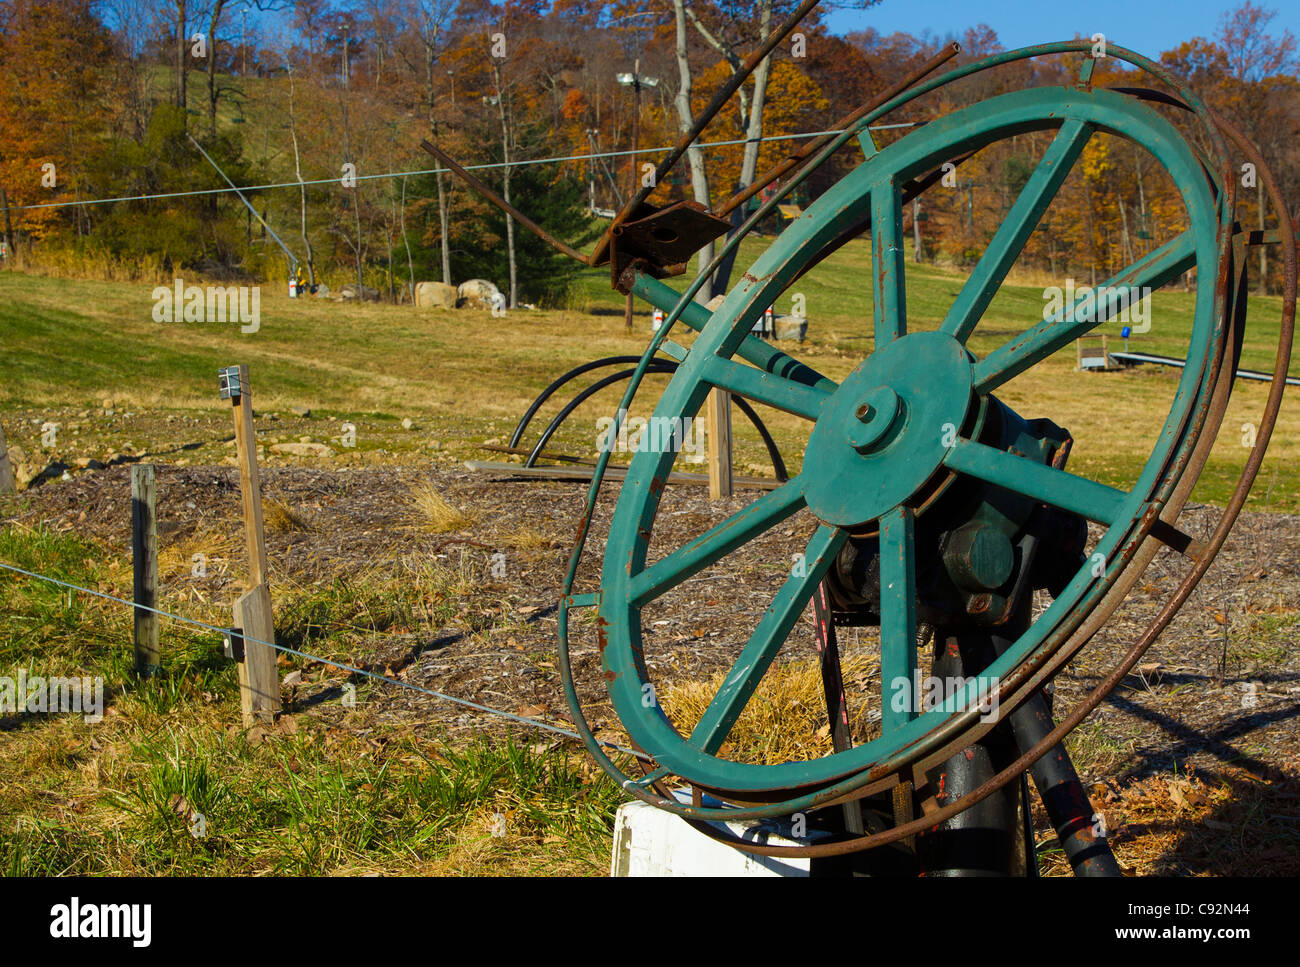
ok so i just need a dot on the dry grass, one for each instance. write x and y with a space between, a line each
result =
785 720
176 558
280 518
529 539
432 512
1231 822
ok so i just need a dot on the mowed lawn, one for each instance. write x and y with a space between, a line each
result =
465 377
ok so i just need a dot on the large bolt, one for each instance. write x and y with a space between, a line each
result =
979 557
875 415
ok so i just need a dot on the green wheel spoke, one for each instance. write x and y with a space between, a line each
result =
1016 228
887 263
754 384
717 542
1069 492
773 629
1034 345
897 617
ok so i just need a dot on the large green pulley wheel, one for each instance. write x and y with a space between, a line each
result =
894 433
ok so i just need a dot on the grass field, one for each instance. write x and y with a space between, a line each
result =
463 377
118 796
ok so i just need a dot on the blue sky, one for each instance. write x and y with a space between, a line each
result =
1147 26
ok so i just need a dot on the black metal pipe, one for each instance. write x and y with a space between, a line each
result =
778 465
656 366
1062 793
980 841
550 390
577 401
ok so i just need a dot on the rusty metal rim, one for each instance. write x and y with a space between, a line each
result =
1152 68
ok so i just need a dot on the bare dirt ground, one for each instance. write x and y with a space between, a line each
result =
1194 760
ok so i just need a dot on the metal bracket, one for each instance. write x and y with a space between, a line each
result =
228 380
663 239
233 646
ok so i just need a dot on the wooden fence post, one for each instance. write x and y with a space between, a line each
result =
719 436
6 468
259 677
144 562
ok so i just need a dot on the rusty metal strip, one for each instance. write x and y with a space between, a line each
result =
782 168
719 100
502 204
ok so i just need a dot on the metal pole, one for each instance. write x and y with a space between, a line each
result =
636 144
293 261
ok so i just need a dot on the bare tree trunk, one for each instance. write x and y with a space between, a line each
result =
694 156
180 57
444 226
751 120
302 187
754 126
1145 224
916 229
356 188
505 193
8 226
1263 250
410 264
1123 229
429 32
217 7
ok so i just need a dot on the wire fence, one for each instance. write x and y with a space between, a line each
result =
434 171
351 669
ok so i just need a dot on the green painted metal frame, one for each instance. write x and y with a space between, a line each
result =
627 584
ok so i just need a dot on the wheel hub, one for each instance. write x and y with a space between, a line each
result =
885 431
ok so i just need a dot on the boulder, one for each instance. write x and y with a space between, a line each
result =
793 328
436 295
303 449
477 294
353 292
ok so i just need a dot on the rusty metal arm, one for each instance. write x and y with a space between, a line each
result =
782 168
706 117
501 203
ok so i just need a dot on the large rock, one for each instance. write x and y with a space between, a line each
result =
793 328
477 294
352 292
435 295
303 450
